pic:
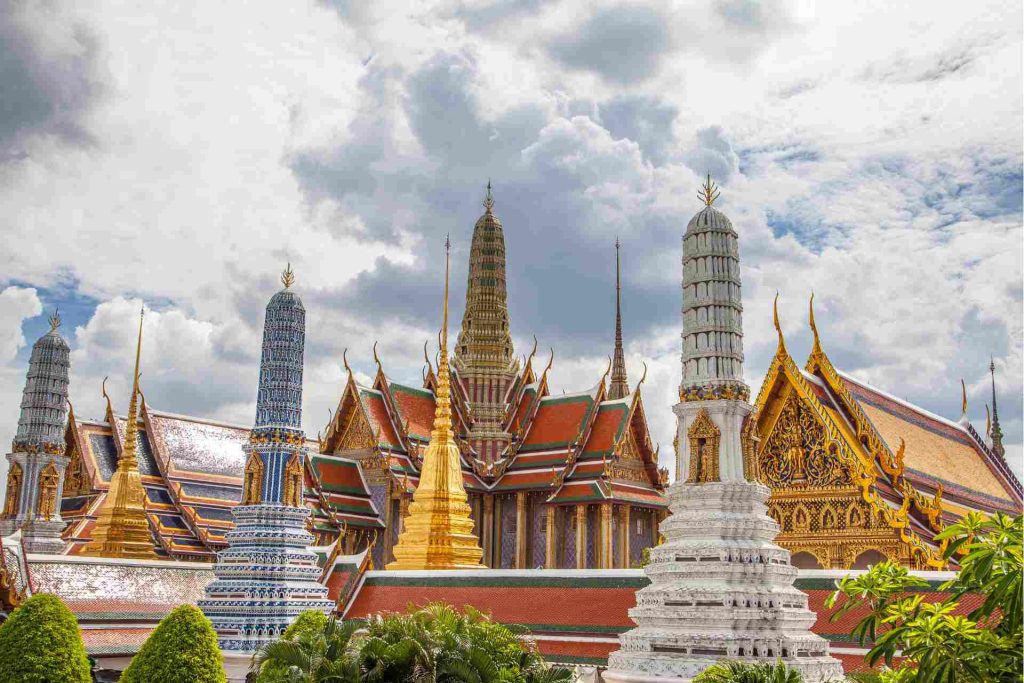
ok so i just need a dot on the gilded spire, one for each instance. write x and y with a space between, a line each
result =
438 532
620 385
963 402
997 432
708 192
122 528
54 320
488 199
288 277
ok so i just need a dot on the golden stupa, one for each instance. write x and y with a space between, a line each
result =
438 533
122 529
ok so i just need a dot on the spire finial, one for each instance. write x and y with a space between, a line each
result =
997 432
708 191
963 399
488 199
620 385
55 319
778 327
288 277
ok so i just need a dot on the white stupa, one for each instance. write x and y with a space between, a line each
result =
720 588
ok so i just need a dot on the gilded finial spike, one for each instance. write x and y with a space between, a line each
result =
344 360
55 319
963 395
814 327
988 421
708 192
288 277
778 327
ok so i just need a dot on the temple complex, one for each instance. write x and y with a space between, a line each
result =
720 589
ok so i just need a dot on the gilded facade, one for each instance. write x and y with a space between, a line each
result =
858 476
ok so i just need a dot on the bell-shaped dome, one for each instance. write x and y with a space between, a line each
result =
710 219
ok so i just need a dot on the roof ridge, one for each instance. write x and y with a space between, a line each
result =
906 404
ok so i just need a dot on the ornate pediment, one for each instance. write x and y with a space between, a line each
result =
796 452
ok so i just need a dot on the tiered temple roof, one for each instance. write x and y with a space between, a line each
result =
858 473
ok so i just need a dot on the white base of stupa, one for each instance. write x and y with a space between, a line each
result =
720 590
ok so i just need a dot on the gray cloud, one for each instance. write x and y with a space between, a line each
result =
646 120
623 44
42 90
713 153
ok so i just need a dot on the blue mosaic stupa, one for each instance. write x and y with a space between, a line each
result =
268 576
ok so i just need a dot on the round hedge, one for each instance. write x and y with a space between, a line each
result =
182 649
41 643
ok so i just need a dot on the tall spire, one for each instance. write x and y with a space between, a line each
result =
997 432
620 385
122 528
483 355
438 532
37 457
263 579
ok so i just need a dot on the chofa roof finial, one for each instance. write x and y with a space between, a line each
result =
778 327
708 191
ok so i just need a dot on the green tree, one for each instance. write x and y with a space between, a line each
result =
939 645
309 654
182 649
742 672
310 621
41 643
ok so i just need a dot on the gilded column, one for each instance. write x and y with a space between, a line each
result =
488 529
522 531
581 536
606 536
624 514
35 478
551 540
122 528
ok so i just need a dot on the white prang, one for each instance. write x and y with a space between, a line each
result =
720 588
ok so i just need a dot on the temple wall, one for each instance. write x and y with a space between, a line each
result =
576 615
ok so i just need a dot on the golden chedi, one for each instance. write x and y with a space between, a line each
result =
122 529
438 532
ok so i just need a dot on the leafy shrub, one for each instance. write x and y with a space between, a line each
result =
937 644
182 649
310 621
41 643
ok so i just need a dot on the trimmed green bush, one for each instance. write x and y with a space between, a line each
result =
182 649
310 621
41 643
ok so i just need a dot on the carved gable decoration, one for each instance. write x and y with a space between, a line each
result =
356 432
75 482
630 463
705 438
795 453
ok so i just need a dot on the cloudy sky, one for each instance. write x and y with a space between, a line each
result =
868 151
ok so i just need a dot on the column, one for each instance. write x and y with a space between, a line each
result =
605 555
551 548
624 533
581 536
487 529
522 537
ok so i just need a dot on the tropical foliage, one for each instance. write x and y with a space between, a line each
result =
741 672
182 649
937 643
41 643
435 643
310 622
